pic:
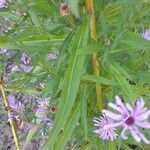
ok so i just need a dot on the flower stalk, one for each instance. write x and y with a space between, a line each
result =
12 123
90 11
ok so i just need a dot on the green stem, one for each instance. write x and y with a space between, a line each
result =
90 11
12 123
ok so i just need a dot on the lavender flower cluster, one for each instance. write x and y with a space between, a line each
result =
42 111
146 34
130 118
26 60
15 107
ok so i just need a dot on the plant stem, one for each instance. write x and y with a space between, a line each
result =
90 10
112 145
12 123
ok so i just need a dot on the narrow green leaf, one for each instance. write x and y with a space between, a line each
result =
74 7
34 17
30 136
135 41
90 49
36 43
84 119
10 15
69 127
127 89
71 84
130 41
101 80
112 145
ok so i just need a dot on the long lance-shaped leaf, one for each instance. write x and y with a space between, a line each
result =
71 84
84 116
69 127
99 79
35 43
127 89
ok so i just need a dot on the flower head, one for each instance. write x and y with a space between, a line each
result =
3 50
130 118
64 9
26 68
42 111
26 59
2 2
15 109
15 69
13 103
104 130
146 34
51 56
43 103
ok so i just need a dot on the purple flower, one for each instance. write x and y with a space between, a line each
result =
51 56
15 108
2 2
42 103
146 34
49 122
12 102
14 117
130 118
26 68
3 50
26 59
104 129
42 111
15 69
27 126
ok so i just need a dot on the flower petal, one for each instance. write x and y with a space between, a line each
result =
129 107
141 135
123 133
139 104
111 114
120 103
115 107
144 138
143 116
114 125
143 124
135 135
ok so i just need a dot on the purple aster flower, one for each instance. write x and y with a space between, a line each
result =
104 129
12 102
42 111
3 50
15 69
26 59
26 68
2 2
49 122
130 118
43 103
51 56
146 34
27 126
14 117
15 108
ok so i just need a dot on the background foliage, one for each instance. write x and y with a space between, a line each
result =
37 28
